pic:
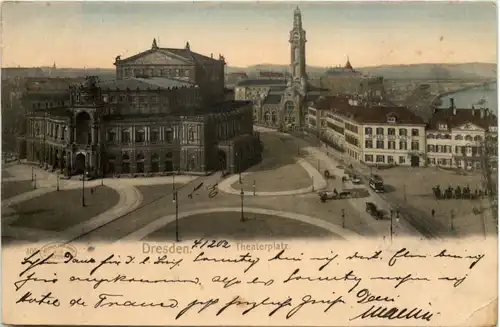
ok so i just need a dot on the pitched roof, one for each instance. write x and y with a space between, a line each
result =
271 74
184 53
262 82
145 84
368 114
461 117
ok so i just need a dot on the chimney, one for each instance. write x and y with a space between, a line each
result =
481 113
452 103
473 111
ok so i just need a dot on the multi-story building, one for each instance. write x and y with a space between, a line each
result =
375 135
141 123
458 137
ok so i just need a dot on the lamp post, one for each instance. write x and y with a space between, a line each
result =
57 182
392 226
173 182
32 173
242 195
254 187
452 217
34 182
176 201
342 214
83 182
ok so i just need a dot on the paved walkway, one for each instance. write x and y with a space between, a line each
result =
318 180
159 223
130 199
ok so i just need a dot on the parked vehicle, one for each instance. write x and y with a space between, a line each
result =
355 179
333 195
372 209
376 184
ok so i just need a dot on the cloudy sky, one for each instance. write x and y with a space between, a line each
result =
92 34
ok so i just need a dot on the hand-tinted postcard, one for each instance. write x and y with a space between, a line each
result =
249 164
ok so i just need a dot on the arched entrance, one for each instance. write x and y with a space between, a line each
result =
222 159
79 163
83 130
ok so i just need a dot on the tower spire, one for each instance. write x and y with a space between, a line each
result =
154 45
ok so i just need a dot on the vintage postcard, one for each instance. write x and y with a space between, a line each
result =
249 164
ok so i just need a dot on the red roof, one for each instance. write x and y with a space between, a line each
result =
461 117
368 114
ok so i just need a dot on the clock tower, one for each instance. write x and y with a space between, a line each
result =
298 49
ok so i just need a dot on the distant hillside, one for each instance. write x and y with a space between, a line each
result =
414 71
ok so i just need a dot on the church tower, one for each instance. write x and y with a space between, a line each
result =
298 49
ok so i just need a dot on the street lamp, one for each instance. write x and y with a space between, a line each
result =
342 214
173 182
32 173
242 195
57 182
34 182
83 182
392 226
175 200
452 217
254 187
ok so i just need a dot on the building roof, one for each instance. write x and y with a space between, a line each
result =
12 72
368 114
461 117
145 84
184 53
262 82
272 99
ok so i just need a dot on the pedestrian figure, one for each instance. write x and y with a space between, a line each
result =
91 190
433 212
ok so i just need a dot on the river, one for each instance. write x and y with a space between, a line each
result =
474 96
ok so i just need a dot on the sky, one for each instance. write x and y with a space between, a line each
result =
92 34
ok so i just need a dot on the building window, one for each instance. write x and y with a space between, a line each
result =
403 145
430 148
380 131
443 126
139 161
111 136
169 135
368 158
447 137
430 136
390 159
155 167
154 135
380 159
391 145
139 135
369 144
390 120
402 160
125 136
414 146
168 162
414 132
111 164
368 131
125 163
391 131
468 138
380 144
403 132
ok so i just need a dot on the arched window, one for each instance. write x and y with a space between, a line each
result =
468 138
139 161
274 117
289 107
125 163
459 137
447 136
267 117
169 167
155 158
430 136
139 135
